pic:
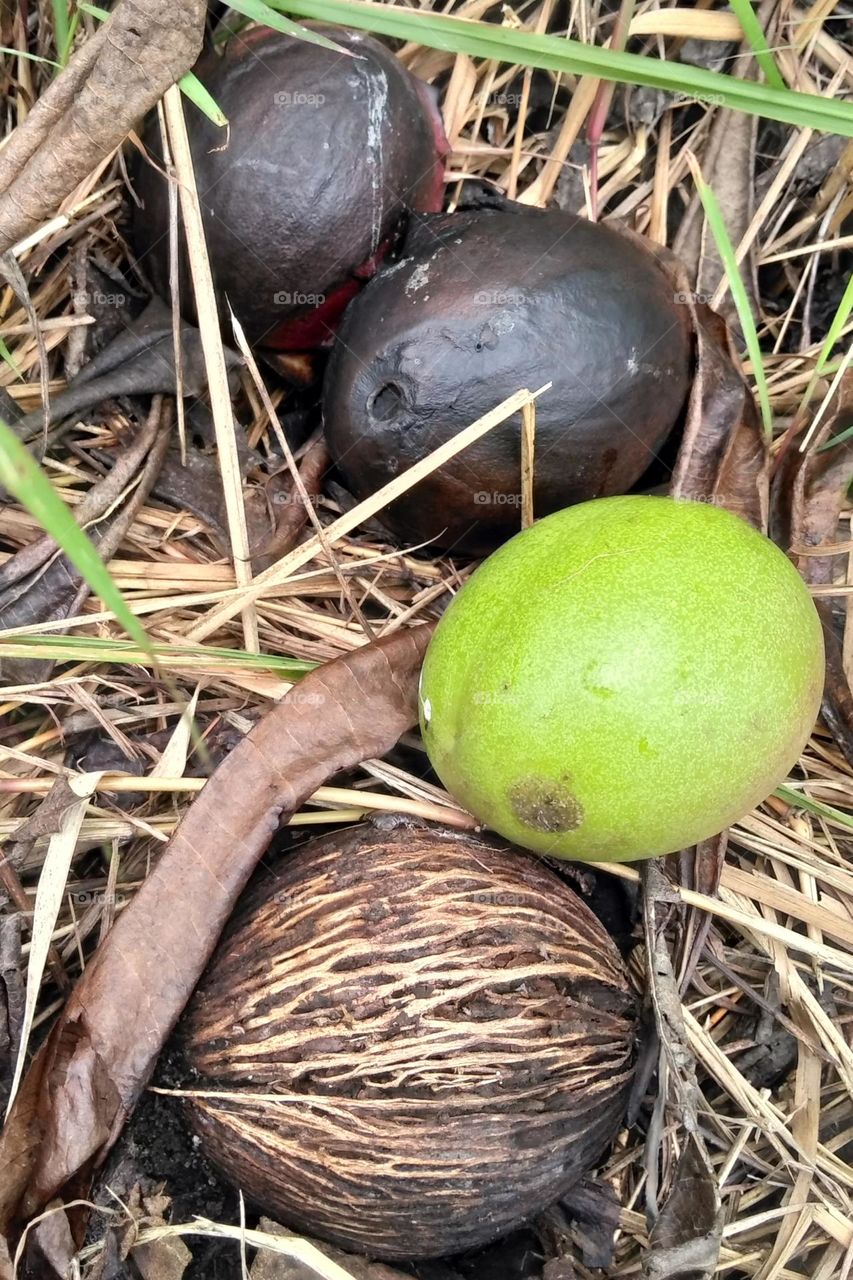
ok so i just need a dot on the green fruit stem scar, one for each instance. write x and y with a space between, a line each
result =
625 678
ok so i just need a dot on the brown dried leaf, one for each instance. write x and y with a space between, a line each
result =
11 995
117 75
140 361
86 1078
294 514
698 868
723 456
164 1259
594 1207
809 493
276 1266
685 1241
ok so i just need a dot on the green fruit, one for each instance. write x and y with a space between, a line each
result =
623 679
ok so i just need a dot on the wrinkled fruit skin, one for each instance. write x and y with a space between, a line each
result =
325 155
450 1027
623 679
483 304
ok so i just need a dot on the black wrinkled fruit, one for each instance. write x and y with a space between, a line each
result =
446 1029
303 194
482 304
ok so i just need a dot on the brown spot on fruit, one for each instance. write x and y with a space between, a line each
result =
545 805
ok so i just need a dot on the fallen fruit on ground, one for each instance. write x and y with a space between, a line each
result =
302 195
483 303
420 1038
623 679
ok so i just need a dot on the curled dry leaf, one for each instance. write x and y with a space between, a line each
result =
809 492
594 1207
11 995
723 456
140 361
294 514
117 75
87 1076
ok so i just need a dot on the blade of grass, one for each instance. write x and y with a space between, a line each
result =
801 801
555 53
30 57
7 358
839 321
62 32
754 32
25 480
835 330
97 649
260 12
726 250
192 88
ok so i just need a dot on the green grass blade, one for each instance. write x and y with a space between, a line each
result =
801 801
7 358
193 89
555 53
823 365
754 33
258 11
94 10
25 480
96 649
725 248
62 30
30 57
839 320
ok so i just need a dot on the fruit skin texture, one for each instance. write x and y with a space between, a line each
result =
450 1027
482 304
303 197
623 679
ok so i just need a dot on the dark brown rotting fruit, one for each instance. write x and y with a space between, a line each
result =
420 1039
482 304
303 193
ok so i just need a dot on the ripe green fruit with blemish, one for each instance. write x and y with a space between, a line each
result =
625 678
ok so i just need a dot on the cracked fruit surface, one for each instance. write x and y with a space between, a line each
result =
623 679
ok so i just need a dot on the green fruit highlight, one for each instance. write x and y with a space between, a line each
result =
623 679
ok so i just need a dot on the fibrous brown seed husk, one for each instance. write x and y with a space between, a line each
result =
423 1038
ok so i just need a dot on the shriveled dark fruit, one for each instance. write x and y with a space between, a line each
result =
483 304
448 1027
303 194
